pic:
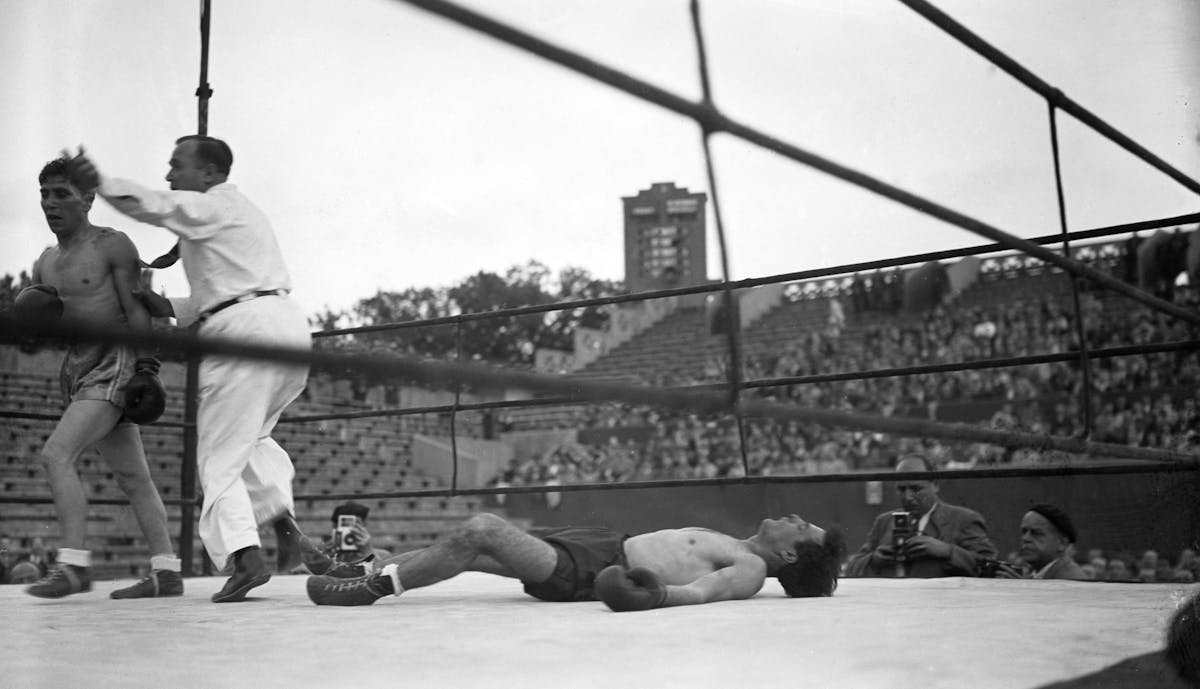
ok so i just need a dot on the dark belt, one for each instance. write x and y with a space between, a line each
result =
209 313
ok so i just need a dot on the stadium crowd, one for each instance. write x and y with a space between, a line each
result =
1144 400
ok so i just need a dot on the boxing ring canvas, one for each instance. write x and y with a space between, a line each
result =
481 631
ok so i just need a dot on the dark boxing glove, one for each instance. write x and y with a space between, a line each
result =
145 398
626 590
38 302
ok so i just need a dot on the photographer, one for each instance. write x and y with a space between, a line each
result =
926 538
349 541
1047 542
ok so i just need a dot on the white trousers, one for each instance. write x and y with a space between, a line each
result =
245 475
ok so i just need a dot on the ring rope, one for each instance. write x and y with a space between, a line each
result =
437 374
1114 469
1182 345
1085 406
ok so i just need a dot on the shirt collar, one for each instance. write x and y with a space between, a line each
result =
924 520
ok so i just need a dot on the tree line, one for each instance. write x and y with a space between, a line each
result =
502 341
510 340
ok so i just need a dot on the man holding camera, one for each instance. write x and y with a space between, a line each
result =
926 538
350 542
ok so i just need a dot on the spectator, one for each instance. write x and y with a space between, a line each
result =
1047 542
8 558
346 544
949 539
40 556
24 571
1187 563
1117 570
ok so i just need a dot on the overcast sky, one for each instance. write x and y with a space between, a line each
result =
392 148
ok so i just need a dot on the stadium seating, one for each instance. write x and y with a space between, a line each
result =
331 457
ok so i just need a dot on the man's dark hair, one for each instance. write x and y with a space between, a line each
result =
211 151
59 167
918 457
815 571
1183 641
357 509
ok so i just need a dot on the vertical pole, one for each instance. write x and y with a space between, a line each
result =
1085 367
187 474
458 351
732 313
187 477
203 92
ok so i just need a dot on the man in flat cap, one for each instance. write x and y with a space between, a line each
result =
1047 540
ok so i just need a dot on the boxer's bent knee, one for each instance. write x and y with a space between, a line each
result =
57 455
480 528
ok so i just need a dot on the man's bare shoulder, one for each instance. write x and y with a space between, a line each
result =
47 254
115 244
110 235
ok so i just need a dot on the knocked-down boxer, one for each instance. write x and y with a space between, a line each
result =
685 566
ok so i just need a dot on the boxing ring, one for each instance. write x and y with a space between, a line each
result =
481 631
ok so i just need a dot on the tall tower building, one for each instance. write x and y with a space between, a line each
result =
665 238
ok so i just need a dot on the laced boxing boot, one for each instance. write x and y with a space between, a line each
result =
160 583
249 571
61 581
326 590
351 570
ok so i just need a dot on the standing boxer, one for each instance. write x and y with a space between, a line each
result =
89 278
239 290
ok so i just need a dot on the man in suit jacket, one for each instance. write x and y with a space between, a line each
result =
949 540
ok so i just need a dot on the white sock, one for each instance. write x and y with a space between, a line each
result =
167 562
76 558
393 572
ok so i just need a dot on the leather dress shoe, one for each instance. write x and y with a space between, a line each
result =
248 572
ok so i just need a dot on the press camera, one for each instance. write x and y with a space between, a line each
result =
343 535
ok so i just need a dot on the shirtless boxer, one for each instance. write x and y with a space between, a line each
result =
685 566
89 277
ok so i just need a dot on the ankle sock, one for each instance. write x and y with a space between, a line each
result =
74 557
392 572
167 562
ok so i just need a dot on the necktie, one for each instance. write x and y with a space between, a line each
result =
166 260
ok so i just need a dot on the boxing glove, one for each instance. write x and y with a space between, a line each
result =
627 590
38 302
145 399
